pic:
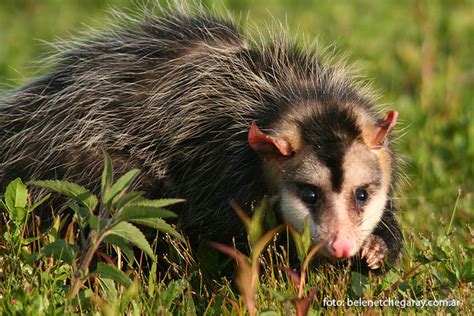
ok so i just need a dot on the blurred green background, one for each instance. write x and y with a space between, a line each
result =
418 53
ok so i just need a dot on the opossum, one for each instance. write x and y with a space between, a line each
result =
210 115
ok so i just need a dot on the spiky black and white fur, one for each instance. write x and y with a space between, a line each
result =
175 96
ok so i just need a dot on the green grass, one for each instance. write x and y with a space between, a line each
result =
419 54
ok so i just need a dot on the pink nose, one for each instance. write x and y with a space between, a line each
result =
341 247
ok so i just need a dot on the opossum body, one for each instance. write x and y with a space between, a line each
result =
209 117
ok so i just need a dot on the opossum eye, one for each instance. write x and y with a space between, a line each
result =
310 194
361 195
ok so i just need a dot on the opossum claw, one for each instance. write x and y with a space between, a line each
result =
374 250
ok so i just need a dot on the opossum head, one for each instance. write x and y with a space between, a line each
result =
332 169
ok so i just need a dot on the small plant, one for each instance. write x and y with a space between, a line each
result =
247 268
110 221
306 252
118 211
19 209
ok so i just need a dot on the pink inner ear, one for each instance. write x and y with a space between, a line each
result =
384 128
270 147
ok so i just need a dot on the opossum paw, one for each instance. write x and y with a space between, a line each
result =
373 251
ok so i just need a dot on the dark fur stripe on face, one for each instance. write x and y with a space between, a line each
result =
330 134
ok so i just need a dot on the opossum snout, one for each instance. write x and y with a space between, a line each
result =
341 247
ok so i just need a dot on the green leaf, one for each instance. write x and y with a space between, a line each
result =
107 174
450 275
152 279
269 313
108 271
132 234
279 296
300 251
16 194
137 211
110 293
159 224
306 237
359 283
97 223
260 245
41 201
256 223
271 218
81 212
71 190
18 215
60 250
159 203
172 291
16 198
467 270
122 244
127 198
121 185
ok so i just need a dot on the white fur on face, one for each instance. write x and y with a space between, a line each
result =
361 166
338 216
372 215
295 212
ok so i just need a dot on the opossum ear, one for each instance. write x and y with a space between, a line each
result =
269 147
384 127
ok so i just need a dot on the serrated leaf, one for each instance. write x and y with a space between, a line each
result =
132 234
71 190
60 250
107 174
158 203
159 224
127 198
137 211
121 185
110 272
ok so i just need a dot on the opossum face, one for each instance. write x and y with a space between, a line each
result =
337 179
341 215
